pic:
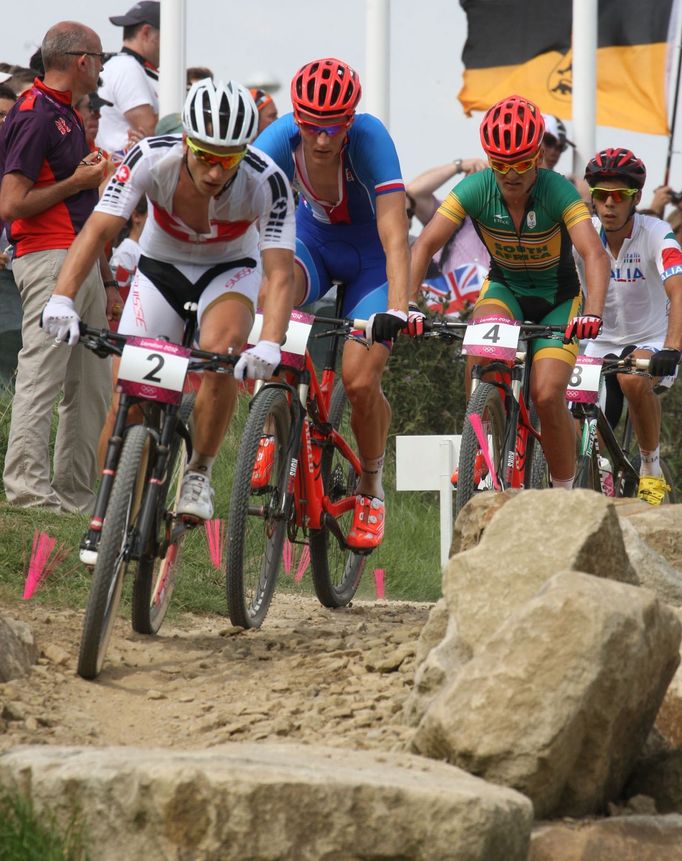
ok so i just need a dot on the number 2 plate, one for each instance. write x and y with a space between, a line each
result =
492 337
583 387
154 370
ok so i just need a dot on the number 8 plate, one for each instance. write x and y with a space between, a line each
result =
492 337
154 370
583 387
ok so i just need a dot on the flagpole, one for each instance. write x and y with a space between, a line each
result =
378 56
673 121
584 43
172 75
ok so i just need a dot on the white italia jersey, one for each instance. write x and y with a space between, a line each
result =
254 211
636 307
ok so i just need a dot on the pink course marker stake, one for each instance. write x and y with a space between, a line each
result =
44 558
379 583
215 538
477 425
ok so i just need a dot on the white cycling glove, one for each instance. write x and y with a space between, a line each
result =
259 362
60 320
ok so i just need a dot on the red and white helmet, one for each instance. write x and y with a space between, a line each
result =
616 163
512 129
326 88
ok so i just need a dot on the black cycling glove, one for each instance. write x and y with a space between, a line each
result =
664 363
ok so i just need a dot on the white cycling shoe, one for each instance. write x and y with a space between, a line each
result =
196 497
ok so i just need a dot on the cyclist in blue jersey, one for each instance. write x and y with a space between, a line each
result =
351 226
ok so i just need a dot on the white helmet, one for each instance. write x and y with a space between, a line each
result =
220 114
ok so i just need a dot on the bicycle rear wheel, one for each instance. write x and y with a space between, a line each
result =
336 571
256 527
155 577
587 472
486 403
537 472
110 569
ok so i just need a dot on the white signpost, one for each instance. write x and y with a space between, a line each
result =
426 463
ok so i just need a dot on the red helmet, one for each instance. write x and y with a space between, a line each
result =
326 88
616 163
512 129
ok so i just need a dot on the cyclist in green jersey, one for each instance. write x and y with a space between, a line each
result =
529 219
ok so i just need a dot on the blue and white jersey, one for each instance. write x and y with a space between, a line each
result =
636 307
369 167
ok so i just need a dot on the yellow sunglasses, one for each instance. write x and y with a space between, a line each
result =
522 166
226 161
618 194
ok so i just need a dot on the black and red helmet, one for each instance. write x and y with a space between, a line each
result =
616 163
512 129
326 88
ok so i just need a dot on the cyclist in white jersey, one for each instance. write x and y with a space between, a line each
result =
217 207
643 309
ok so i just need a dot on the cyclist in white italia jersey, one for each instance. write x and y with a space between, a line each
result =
643 309
217 207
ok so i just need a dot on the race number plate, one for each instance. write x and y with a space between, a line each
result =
583 387
154 370
492 338
294 347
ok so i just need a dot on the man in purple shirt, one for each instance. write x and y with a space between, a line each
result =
49 188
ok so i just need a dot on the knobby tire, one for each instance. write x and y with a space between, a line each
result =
336 571
486 403
155 577
110 569
255 530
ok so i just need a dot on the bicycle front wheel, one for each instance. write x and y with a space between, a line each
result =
336 571
155 577
485 402
114 545
256 527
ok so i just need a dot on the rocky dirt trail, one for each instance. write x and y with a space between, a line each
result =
310 674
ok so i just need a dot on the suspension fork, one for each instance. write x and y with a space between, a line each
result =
111 460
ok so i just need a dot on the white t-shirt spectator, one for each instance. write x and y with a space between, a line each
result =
127 82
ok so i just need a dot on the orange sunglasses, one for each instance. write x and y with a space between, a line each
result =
522 166
211 158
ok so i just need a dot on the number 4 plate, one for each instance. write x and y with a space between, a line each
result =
492 337
583 387
154 370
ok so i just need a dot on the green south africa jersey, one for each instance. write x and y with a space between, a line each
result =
538 261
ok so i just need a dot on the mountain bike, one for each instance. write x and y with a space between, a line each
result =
308 495
598 439
501 445
134 517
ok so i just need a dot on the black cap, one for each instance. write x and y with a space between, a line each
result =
95 102
145 12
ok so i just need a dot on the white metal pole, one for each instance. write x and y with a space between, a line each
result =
172 63
445 482
584 82
377 59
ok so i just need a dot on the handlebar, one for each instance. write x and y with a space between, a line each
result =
104 343
456 329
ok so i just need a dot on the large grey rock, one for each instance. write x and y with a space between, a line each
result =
560 699
653 569
659 777
661 528
474 518
531 537
265 802
18 650
440 663
622 838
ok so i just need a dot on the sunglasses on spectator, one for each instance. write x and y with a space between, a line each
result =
102 56
331 131
618 194
207 156
522 166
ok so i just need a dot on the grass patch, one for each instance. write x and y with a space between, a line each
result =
28 836
409 554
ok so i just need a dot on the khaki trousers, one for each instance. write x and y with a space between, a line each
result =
44 370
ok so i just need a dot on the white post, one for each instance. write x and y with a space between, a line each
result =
584 82
446 467
172 63
377 59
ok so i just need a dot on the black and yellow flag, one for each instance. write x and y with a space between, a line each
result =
524 46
